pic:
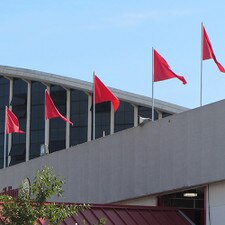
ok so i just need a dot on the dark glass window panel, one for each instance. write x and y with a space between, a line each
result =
38 93
18 150
102 119
17 153
35 150
2 144
37 126
37 137
19 107
57 96
103 107
56 145
146 112
1 162
19 138
57 139
59 132
19 99
79 115
124 116
165 114
20 113
4 96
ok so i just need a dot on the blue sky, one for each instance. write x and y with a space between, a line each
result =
115 39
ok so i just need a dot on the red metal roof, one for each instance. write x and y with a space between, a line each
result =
129 215
126 215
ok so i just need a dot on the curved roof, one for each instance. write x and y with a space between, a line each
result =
68 82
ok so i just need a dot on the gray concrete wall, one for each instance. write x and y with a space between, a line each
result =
182 150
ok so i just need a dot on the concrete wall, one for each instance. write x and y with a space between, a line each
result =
216 205
179 151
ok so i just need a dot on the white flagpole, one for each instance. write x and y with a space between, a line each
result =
201 68
5 139
153 102
93 105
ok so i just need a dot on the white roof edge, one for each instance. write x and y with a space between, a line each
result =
86 86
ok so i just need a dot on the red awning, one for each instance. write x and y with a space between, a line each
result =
129 215
126 215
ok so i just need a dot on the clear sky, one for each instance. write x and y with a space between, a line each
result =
114 38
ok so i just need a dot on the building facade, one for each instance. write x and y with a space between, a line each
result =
23 90
175 161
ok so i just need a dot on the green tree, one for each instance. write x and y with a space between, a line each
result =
30 205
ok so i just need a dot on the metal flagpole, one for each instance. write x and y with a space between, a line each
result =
5 139
93 105
153 84
201 68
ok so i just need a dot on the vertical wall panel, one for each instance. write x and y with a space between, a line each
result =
79 115
4 96
57 136
37 117
19 107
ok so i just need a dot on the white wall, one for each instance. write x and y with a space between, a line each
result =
216 205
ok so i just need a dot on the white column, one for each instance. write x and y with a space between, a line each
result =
10 135
89 117
159 114
112 119
135 115
68 117
28 120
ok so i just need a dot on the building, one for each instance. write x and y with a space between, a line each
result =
24 89
176 161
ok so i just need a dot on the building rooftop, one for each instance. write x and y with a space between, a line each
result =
128 215
68 82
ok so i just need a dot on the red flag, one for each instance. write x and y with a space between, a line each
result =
207 50
50 109
12 123
103 94
162 70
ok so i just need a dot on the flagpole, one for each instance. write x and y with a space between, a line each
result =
153 102
5 139
201 66
93 105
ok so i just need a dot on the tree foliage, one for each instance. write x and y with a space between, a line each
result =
30 205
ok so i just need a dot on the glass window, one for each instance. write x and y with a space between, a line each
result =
57 137
19 107
4 96
37 118
146 112
124 116
165 114
102 119
79 116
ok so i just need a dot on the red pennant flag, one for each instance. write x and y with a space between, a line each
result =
208 52
103 94
12 123
162 70
50 109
